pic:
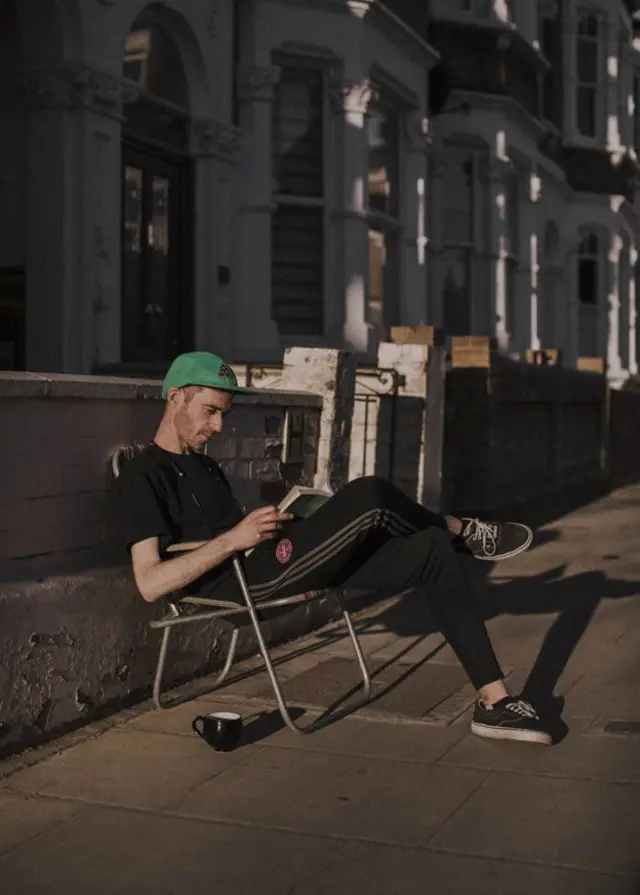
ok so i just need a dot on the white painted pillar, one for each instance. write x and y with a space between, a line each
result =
332 374
418 449
351 101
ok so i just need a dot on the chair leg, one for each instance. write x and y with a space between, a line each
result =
157 683
275 683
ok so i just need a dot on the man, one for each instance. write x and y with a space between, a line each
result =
369 536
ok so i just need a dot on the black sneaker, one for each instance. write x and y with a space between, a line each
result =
493 541
510 719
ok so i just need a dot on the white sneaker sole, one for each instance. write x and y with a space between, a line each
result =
511 553
505 733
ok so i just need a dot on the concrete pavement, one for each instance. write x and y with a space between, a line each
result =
397 799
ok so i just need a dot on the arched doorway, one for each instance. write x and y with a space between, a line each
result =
13 190
157 208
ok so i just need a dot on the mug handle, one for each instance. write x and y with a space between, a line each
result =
194 725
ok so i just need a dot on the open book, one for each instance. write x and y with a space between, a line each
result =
301 502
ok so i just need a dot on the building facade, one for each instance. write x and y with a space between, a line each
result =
533 178
243 175
236 175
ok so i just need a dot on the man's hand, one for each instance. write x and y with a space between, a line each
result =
258 526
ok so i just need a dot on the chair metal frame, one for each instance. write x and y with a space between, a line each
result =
210 609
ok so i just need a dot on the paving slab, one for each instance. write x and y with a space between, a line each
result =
24 817
380 870
399 690
581 755
583 824
351 735
340 795
128 768
116 852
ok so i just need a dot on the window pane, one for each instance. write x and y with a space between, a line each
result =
383 135
298 133
382 281
588 24
458 223
297 287
588 281
456 291
587 116
153 62
588 61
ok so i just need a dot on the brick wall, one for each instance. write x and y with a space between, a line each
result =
62 430
516 432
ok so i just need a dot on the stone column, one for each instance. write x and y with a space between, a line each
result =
332 374
612 315
74 206
436 201
255 333
633 314
215 147
413 261
569 254
418 450
495 248
351 100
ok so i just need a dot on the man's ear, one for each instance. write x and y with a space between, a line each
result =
173 395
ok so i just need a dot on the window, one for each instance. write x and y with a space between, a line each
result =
588 270
589 60
298 229
383 131
460 236
551 38
589 277
512 212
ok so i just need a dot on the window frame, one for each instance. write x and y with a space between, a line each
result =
473 247
391 226
598 87
320 203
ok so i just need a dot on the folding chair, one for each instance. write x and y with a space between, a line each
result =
209 609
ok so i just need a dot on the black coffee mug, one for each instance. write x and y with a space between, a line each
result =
221 730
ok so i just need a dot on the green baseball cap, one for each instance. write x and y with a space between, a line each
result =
201 368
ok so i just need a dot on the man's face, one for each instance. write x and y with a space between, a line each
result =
198 414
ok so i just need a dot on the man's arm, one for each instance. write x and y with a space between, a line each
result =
155 577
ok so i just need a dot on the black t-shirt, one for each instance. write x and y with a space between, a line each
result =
153 499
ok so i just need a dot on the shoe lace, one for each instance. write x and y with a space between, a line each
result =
522 708
484 532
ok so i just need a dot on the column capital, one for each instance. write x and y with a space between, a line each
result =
215 139
258 84
77 87
353 96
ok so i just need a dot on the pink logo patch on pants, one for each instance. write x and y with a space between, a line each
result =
284 550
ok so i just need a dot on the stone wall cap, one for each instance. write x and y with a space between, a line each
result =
65 385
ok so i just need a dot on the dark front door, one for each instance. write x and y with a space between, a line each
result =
157 304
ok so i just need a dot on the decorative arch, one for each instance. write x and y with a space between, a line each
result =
177 30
